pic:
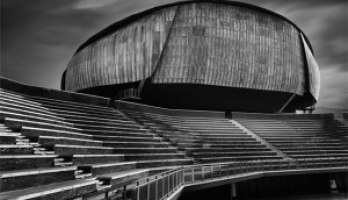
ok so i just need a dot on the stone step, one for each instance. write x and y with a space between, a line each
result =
8 139
22 140
229 149
32 117
79 159
216 141
83 114
44 152
19 179
59 160
13 149
83 117
127 138
17 124
309 144
310 140
63 164
222 135
164 162
157 156
306 148
207 128
302 151
28 110
22 101
56 191
319 155
86 110
236 158
301 136
125 150
83 176
123 178
33 132
39 149
226 145
129 133
5 131
49 141
102 122
232 154
50 101
68 150
136 144
103 168
110 128
19 162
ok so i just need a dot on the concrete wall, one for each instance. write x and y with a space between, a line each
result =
13 86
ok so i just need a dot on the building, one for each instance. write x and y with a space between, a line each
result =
215 56
210 55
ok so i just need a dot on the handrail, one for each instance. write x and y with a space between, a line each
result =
161 186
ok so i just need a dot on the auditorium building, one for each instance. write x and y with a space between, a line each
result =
191 100
200 55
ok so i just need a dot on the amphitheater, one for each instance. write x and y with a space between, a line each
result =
188 100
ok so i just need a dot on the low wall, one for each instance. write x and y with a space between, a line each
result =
212 114
13 86
166 111
239 115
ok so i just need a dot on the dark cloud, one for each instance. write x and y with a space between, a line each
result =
38 37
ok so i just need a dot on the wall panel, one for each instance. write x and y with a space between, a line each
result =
196 43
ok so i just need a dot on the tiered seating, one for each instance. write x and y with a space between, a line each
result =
57 141
24 165
57 148
301 139
208 140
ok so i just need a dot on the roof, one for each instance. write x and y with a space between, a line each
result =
125 21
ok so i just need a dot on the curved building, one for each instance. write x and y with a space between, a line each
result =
210 55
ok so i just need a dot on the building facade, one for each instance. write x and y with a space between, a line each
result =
200 55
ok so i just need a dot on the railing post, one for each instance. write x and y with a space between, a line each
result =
219 168
193 174
202 173
156 188
124 192
176 179
182 176
138 191
173 180
148 189
163 184
168 186
211 171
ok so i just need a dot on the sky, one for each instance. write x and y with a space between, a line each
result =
39 37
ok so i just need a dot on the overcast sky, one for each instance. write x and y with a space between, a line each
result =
38 37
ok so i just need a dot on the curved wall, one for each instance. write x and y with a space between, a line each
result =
204 43
214 44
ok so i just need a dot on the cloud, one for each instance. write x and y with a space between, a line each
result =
38 37
93 4
334 90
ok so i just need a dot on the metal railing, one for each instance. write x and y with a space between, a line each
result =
161 186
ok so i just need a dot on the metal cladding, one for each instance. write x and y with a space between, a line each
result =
203 43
